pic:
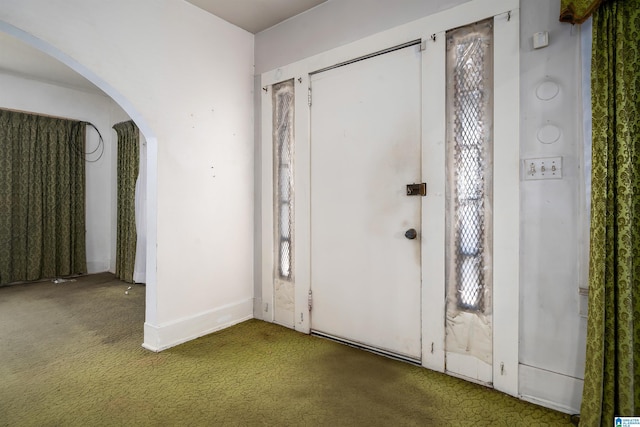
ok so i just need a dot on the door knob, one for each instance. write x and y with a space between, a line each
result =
411 234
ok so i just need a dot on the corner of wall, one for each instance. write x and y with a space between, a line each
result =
164 336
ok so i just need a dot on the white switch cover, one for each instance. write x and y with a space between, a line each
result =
541 39
542 168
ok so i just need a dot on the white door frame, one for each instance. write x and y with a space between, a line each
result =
506 177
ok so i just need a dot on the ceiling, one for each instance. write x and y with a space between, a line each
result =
18 58
255 15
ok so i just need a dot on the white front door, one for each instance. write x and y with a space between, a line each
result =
374 126
365 149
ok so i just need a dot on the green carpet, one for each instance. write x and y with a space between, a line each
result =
70 355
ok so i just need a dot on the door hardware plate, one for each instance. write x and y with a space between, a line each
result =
417 189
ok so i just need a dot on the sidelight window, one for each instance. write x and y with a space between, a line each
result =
469 163
283 109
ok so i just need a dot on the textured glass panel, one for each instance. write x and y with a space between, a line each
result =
470 233
469 272
284 184
469 164
283 107
285 218
285 259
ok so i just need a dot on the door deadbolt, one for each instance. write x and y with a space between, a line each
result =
411 234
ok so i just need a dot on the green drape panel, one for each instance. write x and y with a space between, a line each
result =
612 373
42 197
577 11
128 165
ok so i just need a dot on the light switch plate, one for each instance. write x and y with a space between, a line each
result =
541 39
542 168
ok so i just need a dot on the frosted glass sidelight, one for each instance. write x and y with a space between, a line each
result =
283 110
469 166
469 169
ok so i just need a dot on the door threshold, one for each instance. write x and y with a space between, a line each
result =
368 348
488 384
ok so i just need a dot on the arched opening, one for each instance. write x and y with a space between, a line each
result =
28 41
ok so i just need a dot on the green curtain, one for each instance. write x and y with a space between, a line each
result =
577 11
128 165
612 374
42 197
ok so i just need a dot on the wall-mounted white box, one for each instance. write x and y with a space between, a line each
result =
541 39
542 168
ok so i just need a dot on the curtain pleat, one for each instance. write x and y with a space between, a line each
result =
612 372
128 167
42 197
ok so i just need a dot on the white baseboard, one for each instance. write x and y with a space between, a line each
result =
162 337
550 389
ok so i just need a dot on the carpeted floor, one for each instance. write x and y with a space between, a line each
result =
70 355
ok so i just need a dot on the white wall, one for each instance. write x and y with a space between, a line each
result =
29 95
552 338
186 79
551 348
336 23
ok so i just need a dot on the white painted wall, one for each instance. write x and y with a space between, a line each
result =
336 23
20 93
552 338
551 348
186 78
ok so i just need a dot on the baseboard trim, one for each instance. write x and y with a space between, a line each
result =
550 389
550 405
162 337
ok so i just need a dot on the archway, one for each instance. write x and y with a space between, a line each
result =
151 160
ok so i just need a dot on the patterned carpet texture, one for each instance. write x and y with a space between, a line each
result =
70 355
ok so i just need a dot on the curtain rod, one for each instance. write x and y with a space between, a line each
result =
371 55
41 115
